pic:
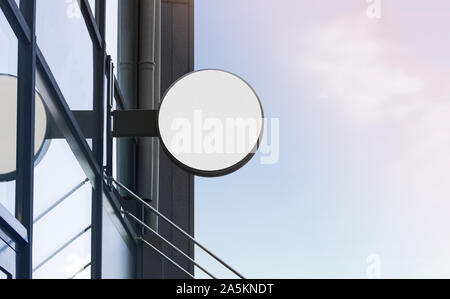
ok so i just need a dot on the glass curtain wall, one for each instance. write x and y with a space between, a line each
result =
62 192
8 67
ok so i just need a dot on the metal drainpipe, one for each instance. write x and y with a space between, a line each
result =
127 77
147 170
157 99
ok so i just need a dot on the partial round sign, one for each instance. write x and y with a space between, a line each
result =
8 127
210 123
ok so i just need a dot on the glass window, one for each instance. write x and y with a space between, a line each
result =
62 211
118 249
7 256
3 275
8 67
62 207
62 195
111 30
84 273
72 261
67 47
62 214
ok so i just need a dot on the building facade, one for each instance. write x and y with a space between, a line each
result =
89 203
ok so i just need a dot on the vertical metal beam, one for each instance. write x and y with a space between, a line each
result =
109 107
25 138
98 143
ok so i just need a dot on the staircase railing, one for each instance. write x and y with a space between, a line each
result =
176 227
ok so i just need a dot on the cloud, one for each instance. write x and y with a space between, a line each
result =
402 101
374 79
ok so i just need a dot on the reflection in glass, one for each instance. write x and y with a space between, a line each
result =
62 214
68 262
3 275
67 47
118 250
8 65
111 30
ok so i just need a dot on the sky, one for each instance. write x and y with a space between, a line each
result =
360 184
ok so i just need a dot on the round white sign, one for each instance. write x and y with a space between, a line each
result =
8 127
210 122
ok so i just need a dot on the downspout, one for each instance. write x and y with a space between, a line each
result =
127 77
157 101
147 157
139 78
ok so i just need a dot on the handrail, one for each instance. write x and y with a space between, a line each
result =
174 225
167 242
166 257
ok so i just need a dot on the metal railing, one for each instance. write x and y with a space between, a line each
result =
166 257
173 225
167 242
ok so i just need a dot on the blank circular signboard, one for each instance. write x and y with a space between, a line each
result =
210 122
8 127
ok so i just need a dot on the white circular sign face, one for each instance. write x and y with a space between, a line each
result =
210 122
8 126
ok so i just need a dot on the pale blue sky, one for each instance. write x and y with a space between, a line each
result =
363 167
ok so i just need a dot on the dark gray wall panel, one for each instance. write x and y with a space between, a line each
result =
176 186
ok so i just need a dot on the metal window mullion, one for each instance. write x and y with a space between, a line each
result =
109 107
25 138
93 28
98 141
16 20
